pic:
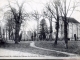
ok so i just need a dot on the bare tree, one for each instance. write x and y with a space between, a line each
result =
60 8
64 10
18 17
36 15
53 8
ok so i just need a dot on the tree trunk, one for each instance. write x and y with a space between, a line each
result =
57 25
17 29
66 32
57 28
51 28
57 31
9 32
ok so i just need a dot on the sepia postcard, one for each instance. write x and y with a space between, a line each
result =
40 29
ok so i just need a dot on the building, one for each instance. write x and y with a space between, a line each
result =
73 28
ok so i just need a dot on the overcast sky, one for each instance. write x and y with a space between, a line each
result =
31 5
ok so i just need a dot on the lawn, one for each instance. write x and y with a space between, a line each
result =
73 46
24 46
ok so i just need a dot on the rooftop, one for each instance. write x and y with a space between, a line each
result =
72 20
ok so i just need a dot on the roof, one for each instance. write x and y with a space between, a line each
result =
72 20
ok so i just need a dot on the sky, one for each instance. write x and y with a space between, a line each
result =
29 6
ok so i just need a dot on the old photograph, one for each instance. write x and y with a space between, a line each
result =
40 29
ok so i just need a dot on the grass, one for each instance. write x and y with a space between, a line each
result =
73 46
25 47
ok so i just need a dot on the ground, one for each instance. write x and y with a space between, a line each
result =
40 49
74 46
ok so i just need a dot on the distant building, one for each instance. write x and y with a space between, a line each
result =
29 34
73 28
